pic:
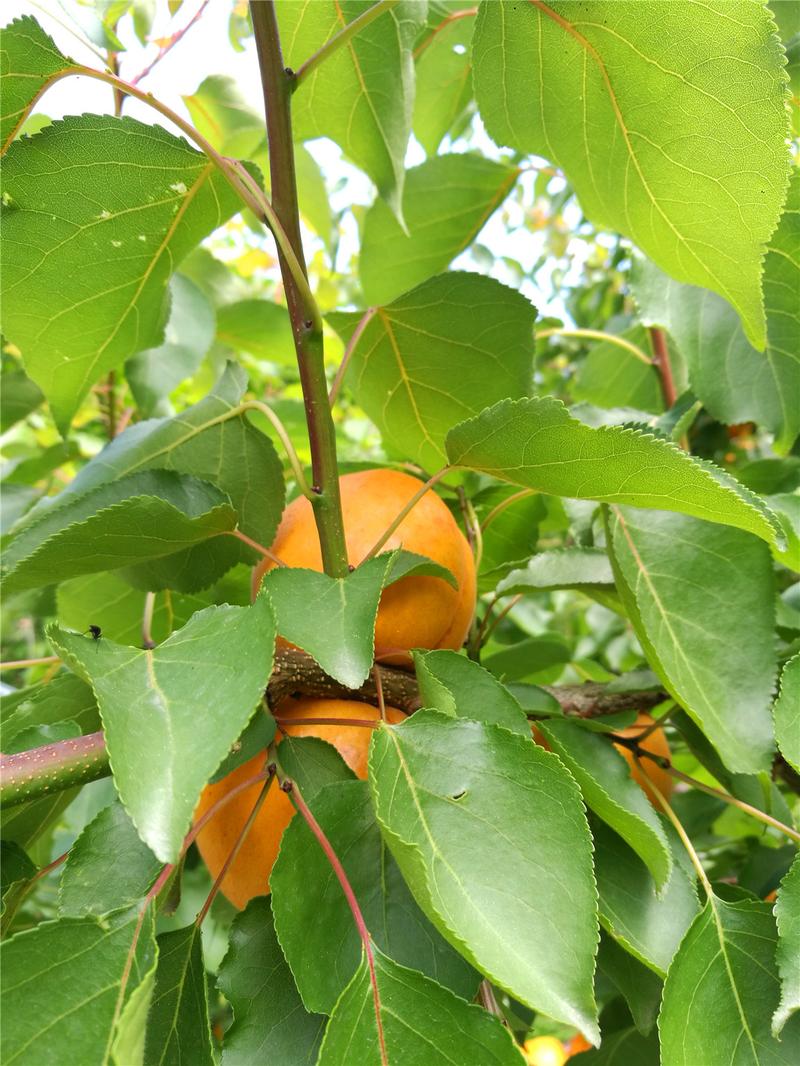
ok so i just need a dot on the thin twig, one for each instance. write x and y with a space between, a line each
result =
342 37
243 537
365 320
376 673
398 519
286 441
485 632
21 664
170 43
147 621
500 507
661 361
597 335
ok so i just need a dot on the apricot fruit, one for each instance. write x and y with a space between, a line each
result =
415 612
249 873
544 1051
656 743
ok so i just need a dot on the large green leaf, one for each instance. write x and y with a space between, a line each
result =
313 919
694 593
622 95
786 713
437 355
444 79
178 1031
457 686
724 973
30 60
648 924
344 646
120 233
735 382
608 789
787 916
108 866
446 203
490 834
153 373
269 1016
147 515
362 96
171 714
65 985
407 1019
211 440
537 444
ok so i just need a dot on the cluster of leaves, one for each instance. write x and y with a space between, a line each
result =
638 507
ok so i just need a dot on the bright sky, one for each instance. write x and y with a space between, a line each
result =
205 50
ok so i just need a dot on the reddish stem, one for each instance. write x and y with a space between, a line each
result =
170 44
350 896
358 332
661 361
466 13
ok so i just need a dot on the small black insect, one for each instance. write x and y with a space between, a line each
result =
96 633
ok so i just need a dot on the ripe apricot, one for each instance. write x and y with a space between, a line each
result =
249 873
656 743
415 612
544 1051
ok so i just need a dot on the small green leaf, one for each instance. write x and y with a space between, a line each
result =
122 234
65 698
345 645
313 763
153 373
143 516
456 686
444 80
602 91
312 916
406 564
786 713
490 834
787 915
563 568
401 369
267 1010
528 657
259 327
178 1030
420 1022
64 984
363 94
537 444
611 376
15 866
18 395
108 867
605 780
725 971
446 203
171 714
646 923
30 61
670 569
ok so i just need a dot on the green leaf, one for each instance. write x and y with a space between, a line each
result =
694 592
622 1046
528 657
18 396
787 915
405 564
537 444
313 919
725 970
786 508
446 203
108 867
648 924
170 715
143 516
362 96
122 235
511 535
612 376
786 713
313 763
456 686
489 832
420 1022
65 698
345 645
604 92
259 327
735 382
153 373
268 1013
178 1030
15 866
561 568
444 81
609 790
214 441
30 59
639 986
64 984
401 369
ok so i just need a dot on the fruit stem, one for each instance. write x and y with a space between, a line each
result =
290 787
278 84
398 519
